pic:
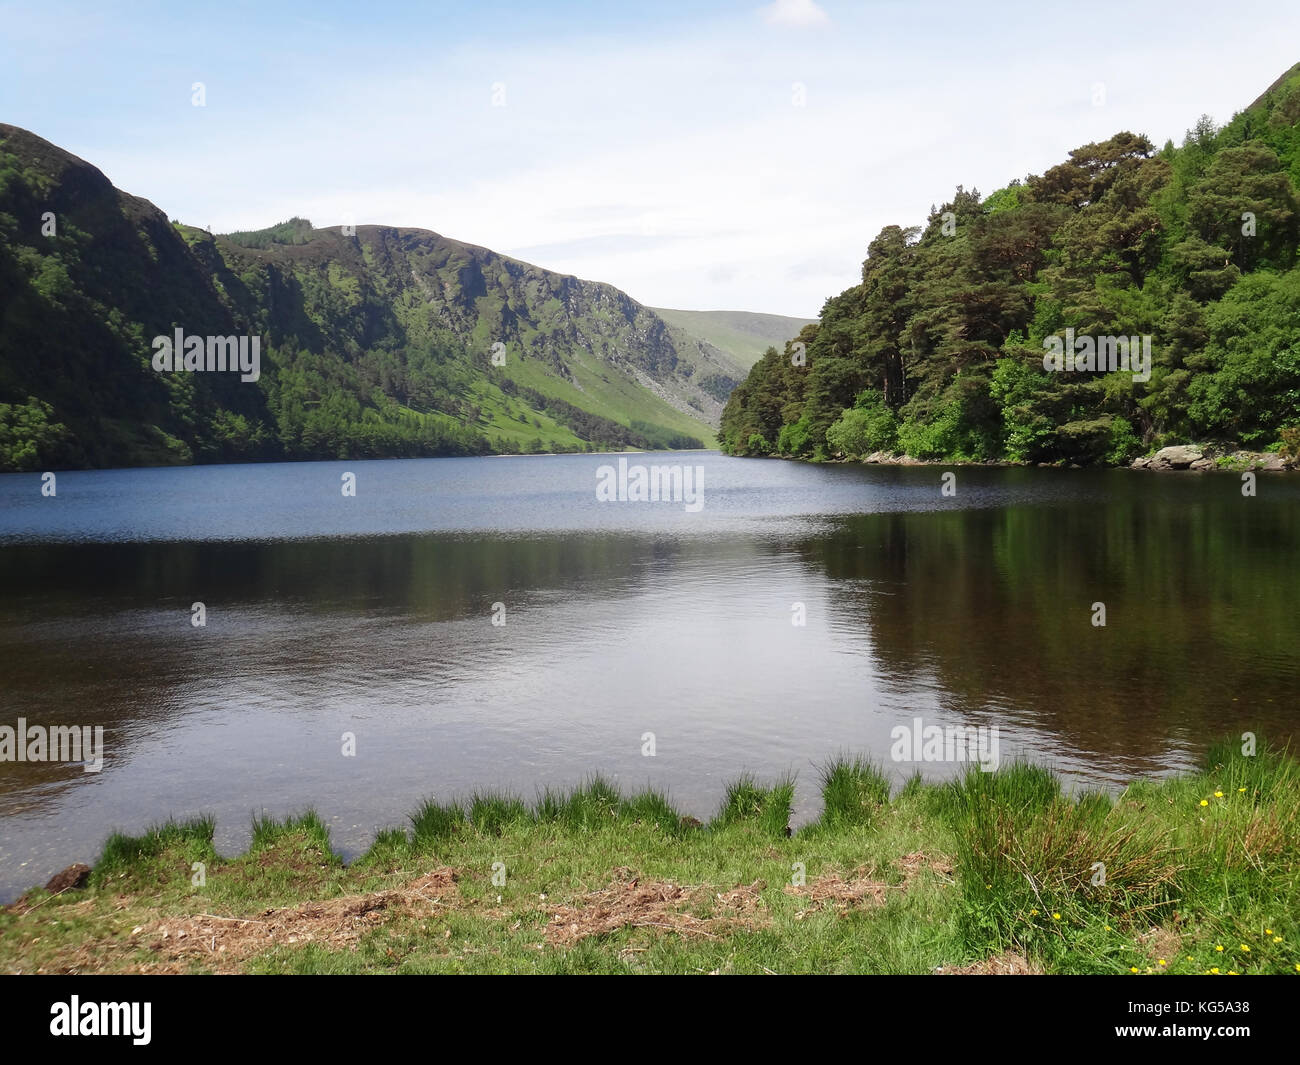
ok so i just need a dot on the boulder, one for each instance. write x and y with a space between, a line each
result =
1202 464
1179 457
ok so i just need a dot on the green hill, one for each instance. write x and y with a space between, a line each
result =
939 351
374 343
742 336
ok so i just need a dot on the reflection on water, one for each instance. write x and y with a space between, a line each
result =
374 616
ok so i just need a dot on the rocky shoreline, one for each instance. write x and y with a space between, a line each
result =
1192 457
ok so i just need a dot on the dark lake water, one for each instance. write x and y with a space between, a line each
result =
373 615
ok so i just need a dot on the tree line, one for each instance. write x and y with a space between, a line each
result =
938 352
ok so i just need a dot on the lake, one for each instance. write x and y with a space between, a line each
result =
374 615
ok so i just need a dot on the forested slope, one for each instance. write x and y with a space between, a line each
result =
373 343
939 351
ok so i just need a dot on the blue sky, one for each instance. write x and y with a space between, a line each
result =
701 155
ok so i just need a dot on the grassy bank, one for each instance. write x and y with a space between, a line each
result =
994 873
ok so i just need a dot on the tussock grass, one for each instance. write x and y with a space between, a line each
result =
853 792
1021 787
913 789
1068 880
491 813
390 850
191 839
306 827
592 805
435 823
1029 876
767 807
653 808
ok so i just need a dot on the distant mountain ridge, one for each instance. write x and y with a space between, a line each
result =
378 342
741 335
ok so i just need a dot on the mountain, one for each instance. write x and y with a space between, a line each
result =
742 336
1126 299
380 342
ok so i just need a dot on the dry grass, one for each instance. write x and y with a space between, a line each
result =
219 943
629 903
861 888
1005 964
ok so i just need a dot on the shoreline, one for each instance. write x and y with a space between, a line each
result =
992 873
1176 458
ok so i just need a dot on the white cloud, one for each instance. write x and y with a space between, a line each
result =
673 164
801 13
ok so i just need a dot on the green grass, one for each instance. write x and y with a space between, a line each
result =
591 806
436 823
768 807
1075 881
610 394
492 814
653 808
853 792
122 854
307 826
742 335
987 865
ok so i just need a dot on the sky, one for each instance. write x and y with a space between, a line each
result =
703 155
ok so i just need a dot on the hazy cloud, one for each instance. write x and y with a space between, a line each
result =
799 13
663 155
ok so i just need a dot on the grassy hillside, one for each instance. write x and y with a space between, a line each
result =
378 343
742 336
